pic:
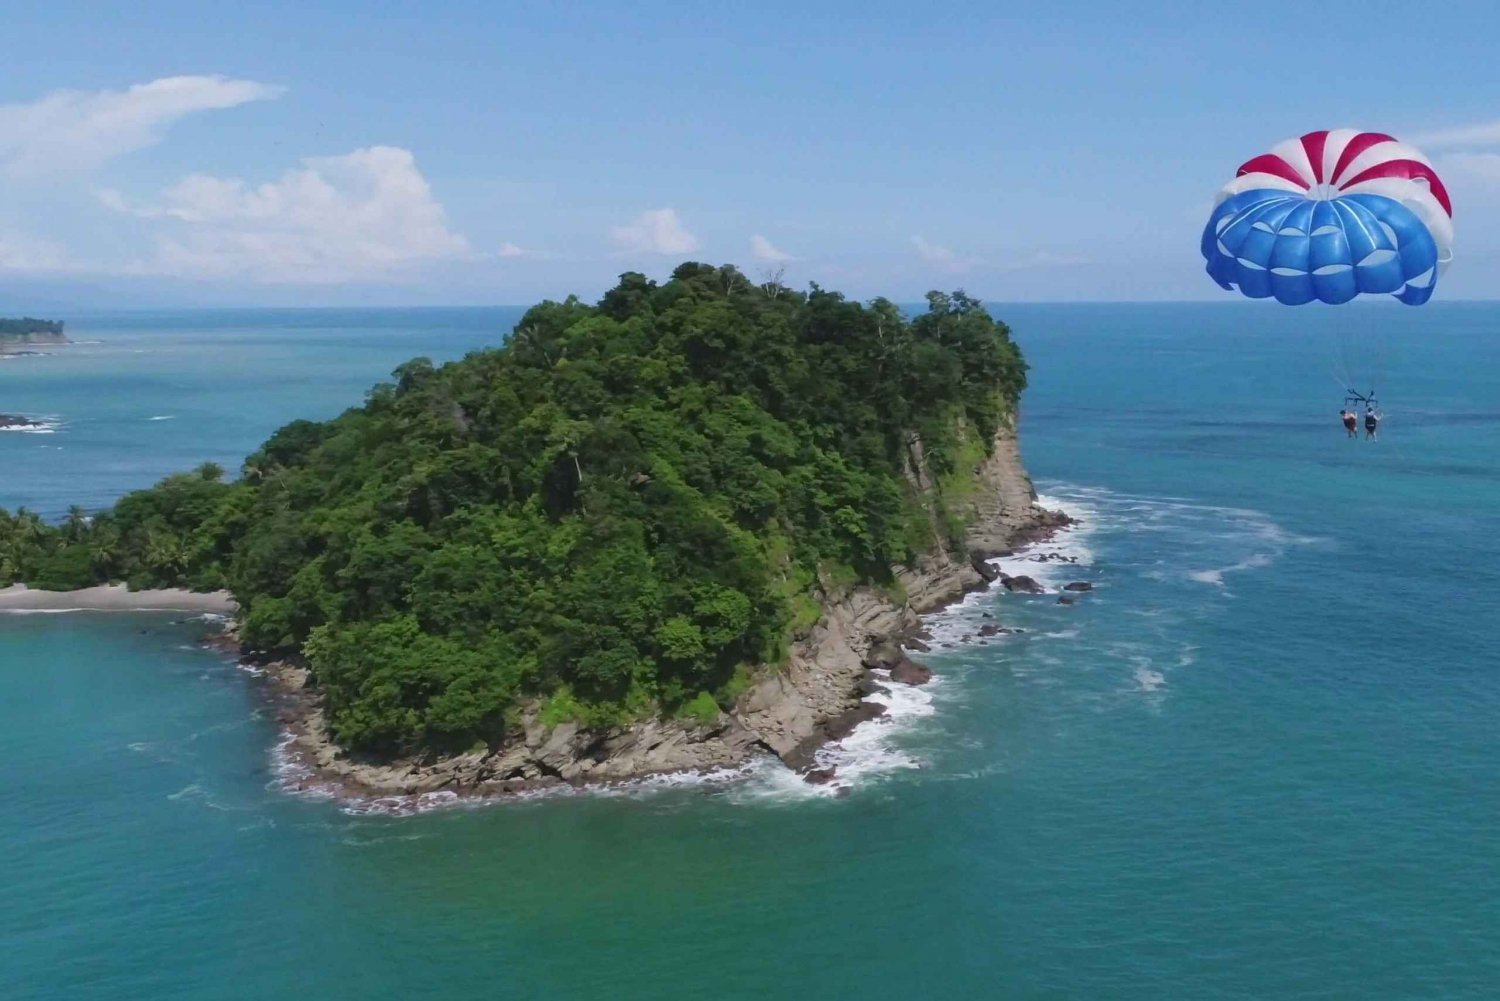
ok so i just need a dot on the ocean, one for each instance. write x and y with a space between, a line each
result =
1258 760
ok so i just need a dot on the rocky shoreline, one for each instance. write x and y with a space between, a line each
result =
818 696
15 422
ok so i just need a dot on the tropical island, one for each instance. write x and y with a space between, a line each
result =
665 531
26 331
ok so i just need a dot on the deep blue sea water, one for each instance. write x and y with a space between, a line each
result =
1258 761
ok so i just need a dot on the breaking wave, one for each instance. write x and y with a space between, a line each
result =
1040 639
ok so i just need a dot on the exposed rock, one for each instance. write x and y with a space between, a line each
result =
17 421
909 672
917 645
820 776
989 630
1024 584
845 724
984 569
1065 600
883 656
1078 585
869 686
801 755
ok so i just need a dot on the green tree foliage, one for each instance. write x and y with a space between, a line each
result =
27 325
619 511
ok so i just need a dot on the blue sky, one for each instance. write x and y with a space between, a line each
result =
384 153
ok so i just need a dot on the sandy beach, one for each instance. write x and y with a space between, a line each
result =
114 598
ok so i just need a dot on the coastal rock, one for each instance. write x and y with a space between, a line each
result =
1078 585
909 672
883 656
1024 584
1065 600
917 645
845 724
990 630
13 422
820 776
984 569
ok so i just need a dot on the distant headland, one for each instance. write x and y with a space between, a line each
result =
28 331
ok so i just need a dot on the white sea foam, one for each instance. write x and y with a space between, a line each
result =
42 426
1252 540
1052 563
163 417
1147 679
872 751
195 793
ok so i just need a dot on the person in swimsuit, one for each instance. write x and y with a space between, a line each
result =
1372 422
1350 422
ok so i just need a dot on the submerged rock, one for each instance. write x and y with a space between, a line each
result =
1078 585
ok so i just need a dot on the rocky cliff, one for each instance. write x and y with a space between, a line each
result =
816 696
16 341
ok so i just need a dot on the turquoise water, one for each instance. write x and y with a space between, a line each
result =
1257 762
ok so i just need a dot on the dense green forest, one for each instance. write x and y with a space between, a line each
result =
619 512
29 325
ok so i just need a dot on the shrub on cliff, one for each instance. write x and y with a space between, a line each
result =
620 507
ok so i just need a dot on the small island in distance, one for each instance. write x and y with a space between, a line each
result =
28 331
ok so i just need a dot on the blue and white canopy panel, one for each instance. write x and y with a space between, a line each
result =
1330 216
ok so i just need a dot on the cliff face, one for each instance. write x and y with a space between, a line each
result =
21 342
816 696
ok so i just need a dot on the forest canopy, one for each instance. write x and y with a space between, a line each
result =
621 511
27 325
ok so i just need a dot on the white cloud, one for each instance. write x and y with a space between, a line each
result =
1486 134
764 250
1482 166
1049 259
941 257
72 130
362 215
1473 178
509 249
658 231
19 252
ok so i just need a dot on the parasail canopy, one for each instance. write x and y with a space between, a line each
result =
1330 216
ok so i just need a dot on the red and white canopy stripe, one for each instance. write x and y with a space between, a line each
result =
1325 165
